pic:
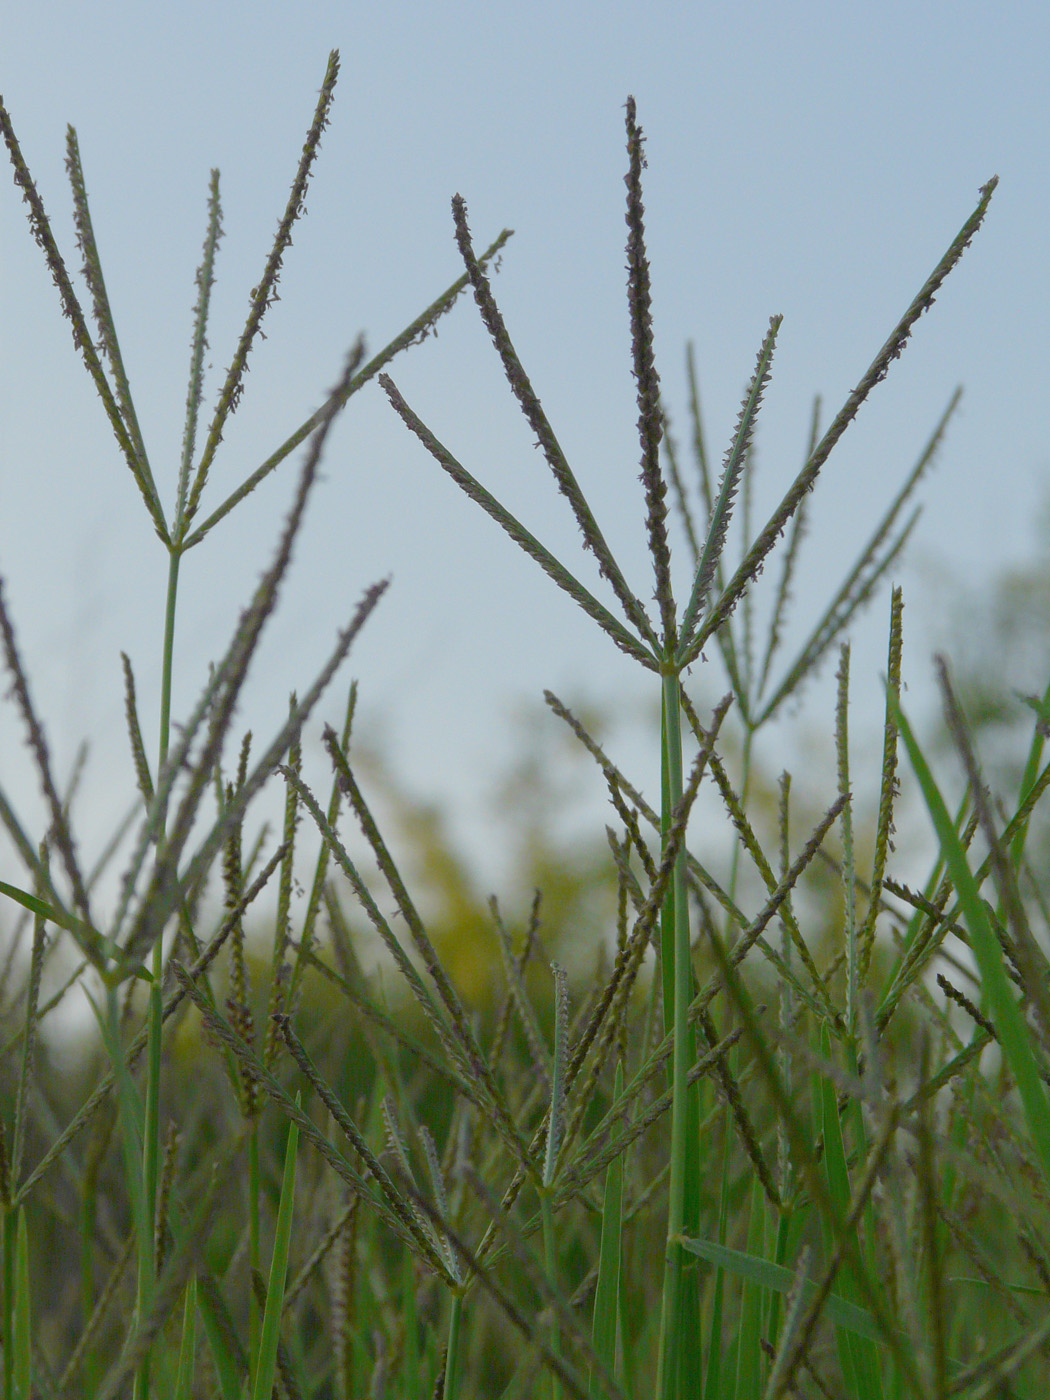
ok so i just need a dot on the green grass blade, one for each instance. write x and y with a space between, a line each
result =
87 938
858 1359
222 1341
763 1273
1009 1023
607 1291
749 1351
266 1362
147 1260
22 1336
29 1038
785 1336
714 1389
451 1388
131 1118
680 1354
187 1345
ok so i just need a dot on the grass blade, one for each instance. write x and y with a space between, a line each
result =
763 1273
22 1333
266 1362
1010 1027
858 1361
607 1291
187 1345
230 1366
749 1351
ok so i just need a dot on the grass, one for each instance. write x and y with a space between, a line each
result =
786 1133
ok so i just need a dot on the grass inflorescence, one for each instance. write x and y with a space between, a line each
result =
734 1135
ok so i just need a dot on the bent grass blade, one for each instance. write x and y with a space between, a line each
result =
1013 1034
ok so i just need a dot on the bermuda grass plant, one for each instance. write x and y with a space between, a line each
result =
788 1137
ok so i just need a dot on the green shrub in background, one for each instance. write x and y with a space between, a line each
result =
758 1151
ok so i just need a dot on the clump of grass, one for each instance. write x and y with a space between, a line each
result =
754 1154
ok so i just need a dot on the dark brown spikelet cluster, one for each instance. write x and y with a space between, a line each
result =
650 417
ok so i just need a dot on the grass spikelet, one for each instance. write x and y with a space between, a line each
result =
205 280
888 788
537 420
559 1058
40 227
415 332
519 998
876 372
138 748
61 834
722 510
107 331
469 1054
522 537
849 873
647 380
871 566
265 293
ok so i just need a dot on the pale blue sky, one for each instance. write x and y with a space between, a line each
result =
811 159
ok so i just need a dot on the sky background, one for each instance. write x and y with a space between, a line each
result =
808 159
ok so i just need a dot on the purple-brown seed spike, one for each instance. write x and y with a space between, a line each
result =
650 424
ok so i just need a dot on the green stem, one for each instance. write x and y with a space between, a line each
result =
147 1264
88 1368
254 1247
7 1249
146 1279
452 1356
550 1250
676 943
